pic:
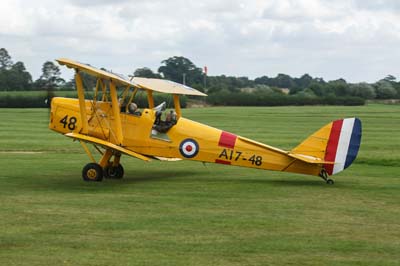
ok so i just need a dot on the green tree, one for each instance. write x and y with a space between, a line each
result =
3 80
338 87
50 78
181 69
397 88
385 90
320 89
284 81
5 65
304 81
18 78
146 72
363 90
390 78
263 80
280 81
5 59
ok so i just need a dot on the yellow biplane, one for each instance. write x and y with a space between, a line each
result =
115 125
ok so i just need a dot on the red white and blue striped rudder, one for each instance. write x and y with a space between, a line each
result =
343 144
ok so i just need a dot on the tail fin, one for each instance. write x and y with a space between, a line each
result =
337 142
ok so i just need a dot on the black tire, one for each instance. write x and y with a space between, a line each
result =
330 182
114 172
92 172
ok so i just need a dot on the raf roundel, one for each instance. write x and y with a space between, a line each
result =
189 148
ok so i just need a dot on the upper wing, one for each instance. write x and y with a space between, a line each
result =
166 86
159 85
107 145
119 79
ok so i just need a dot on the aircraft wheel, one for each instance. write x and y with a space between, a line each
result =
330 182
112 172
92 172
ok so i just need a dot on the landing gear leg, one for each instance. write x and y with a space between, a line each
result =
324 176
114 170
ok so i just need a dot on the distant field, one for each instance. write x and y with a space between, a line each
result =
187 213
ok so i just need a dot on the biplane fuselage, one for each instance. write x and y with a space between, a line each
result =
107 124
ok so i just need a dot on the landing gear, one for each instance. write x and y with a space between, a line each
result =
114 172
92 172
324 176
105 168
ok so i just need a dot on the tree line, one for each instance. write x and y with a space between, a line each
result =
15 77
222 90
271 91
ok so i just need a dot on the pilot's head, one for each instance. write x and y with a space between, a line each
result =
132 107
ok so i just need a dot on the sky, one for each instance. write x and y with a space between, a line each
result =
358 40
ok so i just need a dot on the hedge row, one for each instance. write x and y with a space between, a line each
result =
42 101
220 99
255 99
23 102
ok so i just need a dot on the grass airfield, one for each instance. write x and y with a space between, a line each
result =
187 213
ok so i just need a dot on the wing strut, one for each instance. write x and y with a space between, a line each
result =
116 110
82 105
87 151
177 105
150 99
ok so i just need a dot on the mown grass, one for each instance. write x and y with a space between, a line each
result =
184 213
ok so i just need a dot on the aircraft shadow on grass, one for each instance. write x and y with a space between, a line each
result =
262 181
155 176
133 177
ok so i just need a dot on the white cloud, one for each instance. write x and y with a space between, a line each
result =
391 5
357 40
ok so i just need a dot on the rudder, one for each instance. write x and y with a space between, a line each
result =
343 144
338 142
